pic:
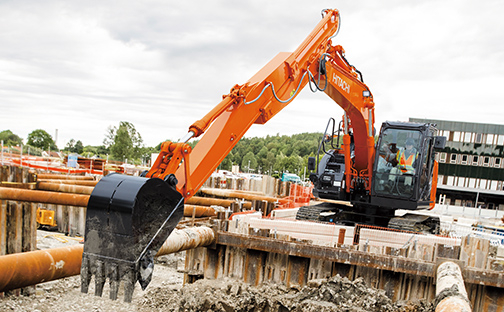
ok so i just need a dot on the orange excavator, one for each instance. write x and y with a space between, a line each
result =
128 218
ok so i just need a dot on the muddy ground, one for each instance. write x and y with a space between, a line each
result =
166 293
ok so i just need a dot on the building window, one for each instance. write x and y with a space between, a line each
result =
489 139
493 185
486 161
467 137
472 182
478 138
497 162
453 158
482 184
456 136
464 159
442 157
475 160
500 139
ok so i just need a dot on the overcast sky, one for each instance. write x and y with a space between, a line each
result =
82 66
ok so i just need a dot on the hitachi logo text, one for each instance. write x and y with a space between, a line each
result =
341 83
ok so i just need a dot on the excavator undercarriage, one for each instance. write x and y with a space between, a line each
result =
344 213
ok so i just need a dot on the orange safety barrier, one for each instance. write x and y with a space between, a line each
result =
298 196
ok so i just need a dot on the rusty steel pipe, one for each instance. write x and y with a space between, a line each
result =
199 211
207 201
237 194
73 182
33 267
43 197
451 294
62 177
29 268
188 238
65 188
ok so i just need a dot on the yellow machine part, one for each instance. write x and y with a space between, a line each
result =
45 217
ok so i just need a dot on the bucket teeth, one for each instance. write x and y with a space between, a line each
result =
99 278
113 276
113 271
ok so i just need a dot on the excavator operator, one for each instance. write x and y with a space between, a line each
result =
407 157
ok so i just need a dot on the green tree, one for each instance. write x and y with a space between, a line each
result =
227 164
79 147
124 142
249 162
10 139
74 147
41 139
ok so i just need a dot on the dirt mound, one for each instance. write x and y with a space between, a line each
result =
334 294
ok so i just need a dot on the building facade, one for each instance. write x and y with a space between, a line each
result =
471 166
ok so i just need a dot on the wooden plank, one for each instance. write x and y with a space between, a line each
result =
3 227
29 239
14 227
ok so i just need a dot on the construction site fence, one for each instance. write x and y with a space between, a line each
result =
458 230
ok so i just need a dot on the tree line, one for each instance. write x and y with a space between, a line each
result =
267 155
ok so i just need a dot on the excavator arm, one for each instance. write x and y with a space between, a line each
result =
128 218
316 62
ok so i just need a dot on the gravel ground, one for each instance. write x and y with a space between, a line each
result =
166 293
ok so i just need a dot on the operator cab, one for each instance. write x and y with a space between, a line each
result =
402 171
404 163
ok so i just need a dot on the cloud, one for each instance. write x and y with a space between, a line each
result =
80 67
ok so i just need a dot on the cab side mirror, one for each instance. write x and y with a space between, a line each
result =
439 142
311 163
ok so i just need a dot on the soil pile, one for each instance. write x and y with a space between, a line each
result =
334 294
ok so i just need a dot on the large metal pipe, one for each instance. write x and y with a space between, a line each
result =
74 182
62 177
237 194
199 211
207 201
451 294
188 238
33 267
65 188
43 197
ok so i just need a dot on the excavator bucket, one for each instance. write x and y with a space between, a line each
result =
128 219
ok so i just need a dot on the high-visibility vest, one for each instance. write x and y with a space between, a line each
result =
406 164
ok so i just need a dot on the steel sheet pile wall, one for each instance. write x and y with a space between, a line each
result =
405 271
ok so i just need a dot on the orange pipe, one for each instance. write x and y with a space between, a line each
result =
33 267
43 197
199 211
74 182
65 188
207 201
237 194
62 177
